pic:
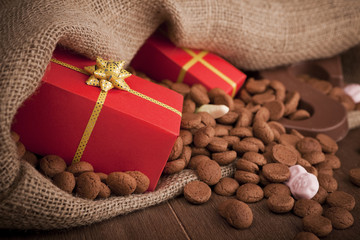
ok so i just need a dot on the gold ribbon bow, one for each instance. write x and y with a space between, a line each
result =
107 75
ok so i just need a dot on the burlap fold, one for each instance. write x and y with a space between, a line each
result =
251 34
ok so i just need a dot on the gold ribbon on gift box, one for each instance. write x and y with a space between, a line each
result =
200 58
106 75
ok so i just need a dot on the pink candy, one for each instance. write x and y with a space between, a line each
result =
303 185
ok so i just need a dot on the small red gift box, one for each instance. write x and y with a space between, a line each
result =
160 59
134 130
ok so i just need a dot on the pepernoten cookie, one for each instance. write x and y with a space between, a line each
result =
340 217
341 199
52 165
224 158
226 186
276 172
328 144
246 177
249 193
142 181
355 176
79 168
317 224
65 181
247 166
304 207
88 185
237 213
280 203
276 189
209 172
121 183
197 192
284 154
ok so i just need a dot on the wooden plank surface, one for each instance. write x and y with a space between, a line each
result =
177 219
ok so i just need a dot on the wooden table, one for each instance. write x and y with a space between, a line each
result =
177 219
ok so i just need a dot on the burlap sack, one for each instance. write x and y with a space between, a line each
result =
251 34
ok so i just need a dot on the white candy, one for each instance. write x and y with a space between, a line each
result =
353 90
303 185
216 111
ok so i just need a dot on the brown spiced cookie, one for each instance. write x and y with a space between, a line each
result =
30 158
181 88
203 136
175 166
304 207
341 199
104 192
65 181
245 118
199 151
263 180
207 119
176 149
20 149
199 96
276 109
278 126
121 183
186 136
327 182
308 144
247 166
186 154
355 176
254 157
321 195
215 92
229 118
303 162
221 130
263 98
296 133
217 144
312 170
276 172
317 224
224 158
142 181
209 172
241 132
279 89
79 168
245 95
280 203
262 114
306 236
284 154
263 131
256 86
14 136
255 141
238 214
194 161
246 177
245 146
289 139
197 192
189 106
224 100
276 189
340 217
102 176
291 102
333 161
249 193
328 144
223 206
226 186
190 120
314 157
51 165
231 140
300 114
88 185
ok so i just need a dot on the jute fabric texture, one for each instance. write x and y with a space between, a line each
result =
251 35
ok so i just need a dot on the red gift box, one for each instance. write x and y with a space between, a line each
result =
160 59
133 131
